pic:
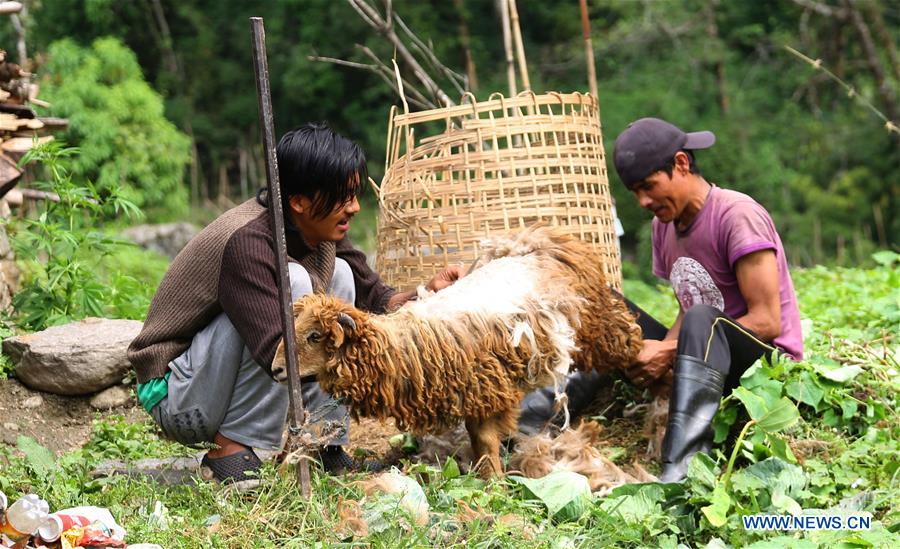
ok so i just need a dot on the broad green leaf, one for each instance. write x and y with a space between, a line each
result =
562 492
638 507
780 448
671 490
754 404
717 512
770 390
702 470
886 258
722 423
785 504
41 460
805 389
742 482
848 408
780 417
840 375
451 469
753 376
778 475
830 418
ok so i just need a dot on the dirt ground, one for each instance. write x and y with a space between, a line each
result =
60 423
64 423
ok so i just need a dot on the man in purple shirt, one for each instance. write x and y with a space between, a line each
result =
724 259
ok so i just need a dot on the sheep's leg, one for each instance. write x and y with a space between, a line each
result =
485 436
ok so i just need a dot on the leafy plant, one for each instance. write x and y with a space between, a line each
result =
61 250
128 147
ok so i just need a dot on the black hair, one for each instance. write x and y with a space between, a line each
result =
316 162
670 165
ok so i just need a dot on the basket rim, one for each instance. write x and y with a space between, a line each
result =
496 101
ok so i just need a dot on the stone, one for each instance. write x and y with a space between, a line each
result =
10 438
5 248
114 397
78 358
10 427
167 239
33 402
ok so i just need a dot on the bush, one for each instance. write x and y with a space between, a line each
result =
118 122
71 268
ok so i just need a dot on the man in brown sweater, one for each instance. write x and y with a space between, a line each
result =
203 358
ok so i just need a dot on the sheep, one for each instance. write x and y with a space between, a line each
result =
537 306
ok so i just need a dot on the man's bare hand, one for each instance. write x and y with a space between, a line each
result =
654 361
446 278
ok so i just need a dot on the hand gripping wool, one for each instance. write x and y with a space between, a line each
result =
536 307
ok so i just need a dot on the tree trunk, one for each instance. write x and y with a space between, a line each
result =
873 61
884 36
520 46
242 170
712 30
465 41
503 8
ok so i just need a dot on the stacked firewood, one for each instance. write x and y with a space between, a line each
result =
20 127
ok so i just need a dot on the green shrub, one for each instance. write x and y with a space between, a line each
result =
71 268
117 121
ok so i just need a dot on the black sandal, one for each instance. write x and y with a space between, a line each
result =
240 467
335 461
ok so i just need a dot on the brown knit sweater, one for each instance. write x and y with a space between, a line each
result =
230 266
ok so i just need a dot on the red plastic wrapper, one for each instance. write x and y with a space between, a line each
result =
91 536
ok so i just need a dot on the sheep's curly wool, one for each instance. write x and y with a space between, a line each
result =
537 306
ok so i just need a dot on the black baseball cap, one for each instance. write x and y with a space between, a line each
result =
648 144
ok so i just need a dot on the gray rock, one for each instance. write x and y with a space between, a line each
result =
78 358
33 402
113 397
166 471
10 427
4 243
167 239
10 438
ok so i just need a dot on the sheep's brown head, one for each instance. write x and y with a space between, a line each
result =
322 326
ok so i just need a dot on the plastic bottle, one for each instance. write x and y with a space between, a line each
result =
24 517
57 523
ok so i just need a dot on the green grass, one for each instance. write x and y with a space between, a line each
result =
838 445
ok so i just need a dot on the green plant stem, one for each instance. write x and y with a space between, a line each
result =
737 445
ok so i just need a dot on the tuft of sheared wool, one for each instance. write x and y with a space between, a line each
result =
655 425
573 450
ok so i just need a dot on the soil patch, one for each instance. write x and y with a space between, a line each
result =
60 423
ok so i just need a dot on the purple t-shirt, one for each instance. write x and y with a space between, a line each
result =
699 262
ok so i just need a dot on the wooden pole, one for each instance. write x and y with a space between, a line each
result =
520 48
589 51
267 127
508 48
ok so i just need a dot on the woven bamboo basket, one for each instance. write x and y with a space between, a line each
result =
456 175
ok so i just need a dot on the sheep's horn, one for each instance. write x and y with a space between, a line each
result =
346 321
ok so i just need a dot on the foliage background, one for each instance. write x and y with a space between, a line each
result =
820 162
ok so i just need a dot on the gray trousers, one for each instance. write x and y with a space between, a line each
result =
216 386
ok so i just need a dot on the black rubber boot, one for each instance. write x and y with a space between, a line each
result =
696 391
536 411
582 389
538 407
